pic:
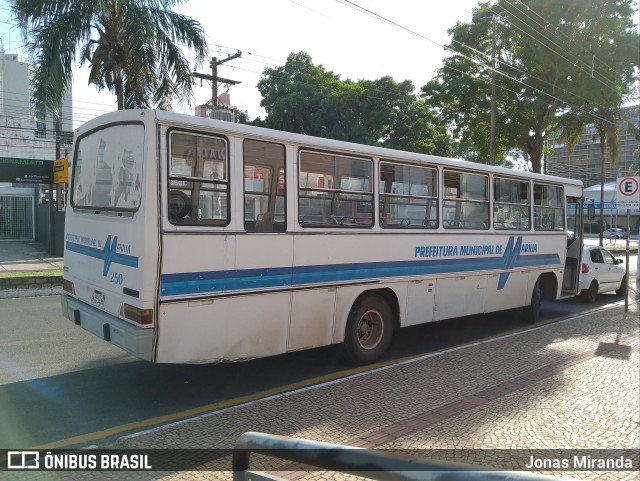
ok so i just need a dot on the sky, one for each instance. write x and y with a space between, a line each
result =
338 36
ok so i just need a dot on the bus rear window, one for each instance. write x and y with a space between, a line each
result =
107 169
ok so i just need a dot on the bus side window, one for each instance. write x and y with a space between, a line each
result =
264 187
465 202
335 191
198 181
548 207
412 200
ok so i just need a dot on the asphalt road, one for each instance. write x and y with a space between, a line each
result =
59 382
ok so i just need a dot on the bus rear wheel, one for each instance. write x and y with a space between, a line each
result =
369 329
532 311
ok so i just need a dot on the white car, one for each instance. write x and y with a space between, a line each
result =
615 233
601 272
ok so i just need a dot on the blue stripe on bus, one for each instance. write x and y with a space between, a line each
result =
107 254
213 282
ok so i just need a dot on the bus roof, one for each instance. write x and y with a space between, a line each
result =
221 126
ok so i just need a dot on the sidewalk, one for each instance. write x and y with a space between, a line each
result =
26 269
568 385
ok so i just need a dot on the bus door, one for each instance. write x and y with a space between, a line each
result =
574 246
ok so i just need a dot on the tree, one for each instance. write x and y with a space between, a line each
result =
544 55
132 47
415 129
303 98
292 95
634 169
460 94
608 30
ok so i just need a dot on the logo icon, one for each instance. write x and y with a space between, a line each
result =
109 253
509 258
23 460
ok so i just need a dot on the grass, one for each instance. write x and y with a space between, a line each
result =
9 275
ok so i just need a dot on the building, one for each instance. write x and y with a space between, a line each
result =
586 160
613 216
28 132
223 111
28 135
585 164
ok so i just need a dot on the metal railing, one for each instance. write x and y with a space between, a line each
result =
367 463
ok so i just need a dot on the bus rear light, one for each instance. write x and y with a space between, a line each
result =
137 315
585 268
67 286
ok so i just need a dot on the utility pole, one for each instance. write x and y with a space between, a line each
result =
57 126
492 144
215 79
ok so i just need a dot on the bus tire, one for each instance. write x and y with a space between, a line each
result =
369 329
532 311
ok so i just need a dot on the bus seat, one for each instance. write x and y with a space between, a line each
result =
265 224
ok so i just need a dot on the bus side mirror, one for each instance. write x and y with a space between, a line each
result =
591 211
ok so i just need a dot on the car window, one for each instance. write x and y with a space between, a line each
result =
608 257
596 256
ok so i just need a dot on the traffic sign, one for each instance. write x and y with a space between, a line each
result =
628 193
61 171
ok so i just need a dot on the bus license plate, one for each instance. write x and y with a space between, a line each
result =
97 299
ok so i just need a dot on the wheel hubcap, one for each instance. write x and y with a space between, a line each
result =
370 330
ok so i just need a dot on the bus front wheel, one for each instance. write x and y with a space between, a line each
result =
369 329
532 311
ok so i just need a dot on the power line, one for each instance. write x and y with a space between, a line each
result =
549 37
370 13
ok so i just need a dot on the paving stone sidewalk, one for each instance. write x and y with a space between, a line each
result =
569 385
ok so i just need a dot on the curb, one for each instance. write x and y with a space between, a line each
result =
30 286
30 282
30 292
35 292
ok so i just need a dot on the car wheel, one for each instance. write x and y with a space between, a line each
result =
623 287
591 294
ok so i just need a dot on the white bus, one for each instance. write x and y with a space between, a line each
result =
191 240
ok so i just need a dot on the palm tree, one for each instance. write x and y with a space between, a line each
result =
132 47
607 124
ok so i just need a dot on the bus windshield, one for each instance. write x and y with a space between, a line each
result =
107 170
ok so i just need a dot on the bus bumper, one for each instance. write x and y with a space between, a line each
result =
134 340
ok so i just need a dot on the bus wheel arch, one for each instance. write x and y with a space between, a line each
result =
370 325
